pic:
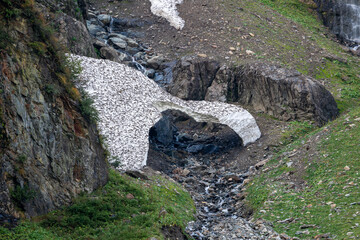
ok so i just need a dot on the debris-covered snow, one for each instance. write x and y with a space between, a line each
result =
167 9
129 104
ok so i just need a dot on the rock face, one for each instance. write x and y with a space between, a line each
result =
130 104
68 18
342 17
49 153
284 94
192 78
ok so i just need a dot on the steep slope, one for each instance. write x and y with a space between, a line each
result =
49 152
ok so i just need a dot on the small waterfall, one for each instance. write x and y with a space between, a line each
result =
347 24
111 25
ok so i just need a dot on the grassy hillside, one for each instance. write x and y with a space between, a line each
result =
125 208
310 188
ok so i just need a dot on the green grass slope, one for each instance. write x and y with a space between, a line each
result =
310 189
125 208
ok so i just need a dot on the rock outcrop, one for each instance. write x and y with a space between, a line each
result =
282 93
49 152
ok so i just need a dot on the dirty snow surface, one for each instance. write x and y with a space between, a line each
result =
129 104
167 9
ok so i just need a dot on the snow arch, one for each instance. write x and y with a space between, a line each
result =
129 104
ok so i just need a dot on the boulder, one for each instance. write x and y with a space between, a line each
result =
283 93
94 28
118 43
104 18
109 53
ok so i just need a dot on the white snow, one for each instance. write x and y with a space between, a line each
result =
167 9
129 104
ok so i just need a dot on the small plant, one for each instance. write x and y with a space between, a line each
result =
40 48
21 159
87 109
115 161
52 89
22 194
5 39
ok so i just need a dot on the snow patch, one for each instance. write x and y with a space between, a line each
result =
167 9
129 104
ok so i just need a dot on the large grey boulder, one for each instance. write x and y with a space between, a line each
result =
282 93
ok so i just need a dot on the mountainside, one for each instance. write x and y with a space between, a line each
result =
292 64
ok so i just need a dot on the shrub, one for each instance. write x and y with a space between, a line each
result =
21 158
87 109
22 194
40 48
52 89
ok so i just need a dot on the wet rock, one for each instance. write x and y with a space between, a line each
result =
151 73
93 28
155 62
118 43
105 19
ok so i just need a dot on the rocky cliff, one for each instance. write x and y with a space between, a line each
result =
49 152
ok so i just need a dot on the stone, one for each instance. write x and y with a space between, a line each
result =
105 19
130 196
132 43
137 174
118 43
249 52
155 62
261 163
202 55
93 28
109 53
99 44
